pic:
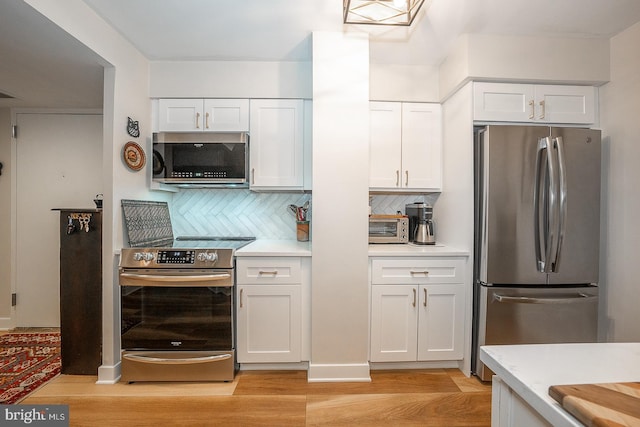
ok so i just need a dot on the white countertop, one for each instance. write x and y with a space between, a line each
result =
531 369
409 249
265 247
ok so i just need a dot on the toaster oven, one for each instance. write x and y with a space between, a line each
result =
388 229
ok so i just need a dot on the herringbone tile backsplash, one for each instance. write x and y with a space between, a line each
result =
240 212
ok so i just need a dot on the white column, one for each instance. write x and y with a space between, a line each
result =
339 308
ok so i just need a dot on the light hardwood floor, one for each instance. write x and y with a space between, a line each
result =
439 397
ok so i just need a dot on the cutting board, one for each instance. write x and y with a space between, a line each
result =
601 405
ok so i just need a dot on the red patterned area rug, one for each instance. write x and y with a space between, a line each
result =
27 361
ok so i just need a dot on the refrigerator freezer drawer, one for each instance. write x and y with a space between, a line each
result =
536 316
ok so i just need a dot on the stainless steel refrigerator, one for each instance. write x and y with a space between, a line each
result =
537 236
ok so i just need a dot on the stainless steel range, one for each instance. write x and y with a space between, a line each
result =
177 310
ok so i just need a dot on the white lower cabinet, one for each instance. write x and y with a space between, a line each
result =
417 310
270 320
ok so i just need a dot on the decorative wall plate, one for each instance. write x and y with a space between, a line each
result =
133 156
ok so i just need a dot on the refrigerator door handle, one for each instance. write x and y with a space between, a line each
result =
540 200
546 205
578 298
558 145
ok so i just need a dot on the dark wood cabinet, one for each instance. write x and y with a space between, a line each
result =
81 290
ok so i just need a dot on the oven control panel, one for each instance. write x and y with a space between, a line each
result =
176 257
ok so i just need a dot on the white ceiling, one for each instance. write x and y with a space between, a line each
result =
62 72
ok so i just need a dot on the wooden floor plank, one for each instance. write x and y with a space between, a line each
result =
417 409
126 411
382 382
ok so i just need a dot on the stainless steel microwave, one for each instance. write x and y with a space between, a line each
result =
388 229
201 158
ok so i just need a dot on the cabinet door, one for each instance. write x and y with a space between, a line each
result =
565 104
180 115
503 102
226 115
276 146
385 145
394 320
421 146
441 322
269 323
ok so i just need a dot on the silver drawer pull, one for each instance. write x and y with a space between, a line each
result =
422 272
270 273
168 361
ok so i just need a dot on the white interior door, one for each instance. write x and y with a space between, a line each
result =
59 165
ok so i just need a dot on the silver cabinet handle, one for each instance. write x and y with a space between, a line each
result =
197 120
425 297
241 292
423 272
167 361
545 300
253 176
206 120
271 273
542 106
415 294
397 178
533 109
406 183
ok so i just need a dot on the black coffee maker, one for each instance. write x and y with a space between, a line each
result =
421 225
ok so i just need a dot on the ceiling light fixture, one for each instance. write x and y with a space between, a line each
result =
380 12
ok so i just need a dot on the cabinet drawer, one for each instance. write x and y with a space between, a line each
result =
417 271
268 270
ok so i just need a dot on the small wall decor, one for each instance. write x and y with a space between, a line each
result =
132 127
133 156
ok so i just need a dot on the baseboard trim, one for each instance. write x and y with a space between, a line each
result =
353 372
109 374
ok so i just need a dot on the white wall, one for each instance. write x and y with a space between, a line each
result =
126 94
5 216
525 59
620 106
230 79
409 83
339 291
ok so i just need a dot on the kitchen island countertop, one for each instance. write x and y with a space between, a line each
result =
267 247
529 370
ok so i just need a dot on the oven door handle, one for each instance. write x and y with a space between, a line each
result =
167 361
169 280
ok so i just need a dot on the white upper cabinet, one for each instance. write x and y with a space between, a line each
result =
527 103
203 115
405 146
276 144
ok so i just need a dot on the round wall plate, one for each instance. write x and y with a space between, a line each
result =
133 156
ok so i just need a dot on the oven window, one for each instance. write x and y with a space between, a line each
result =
176 318
383 229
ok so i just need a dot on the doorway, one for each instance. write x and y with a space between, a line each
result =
58 165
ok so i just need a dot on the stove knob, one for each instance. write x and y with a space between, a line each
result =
208 257
143 256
